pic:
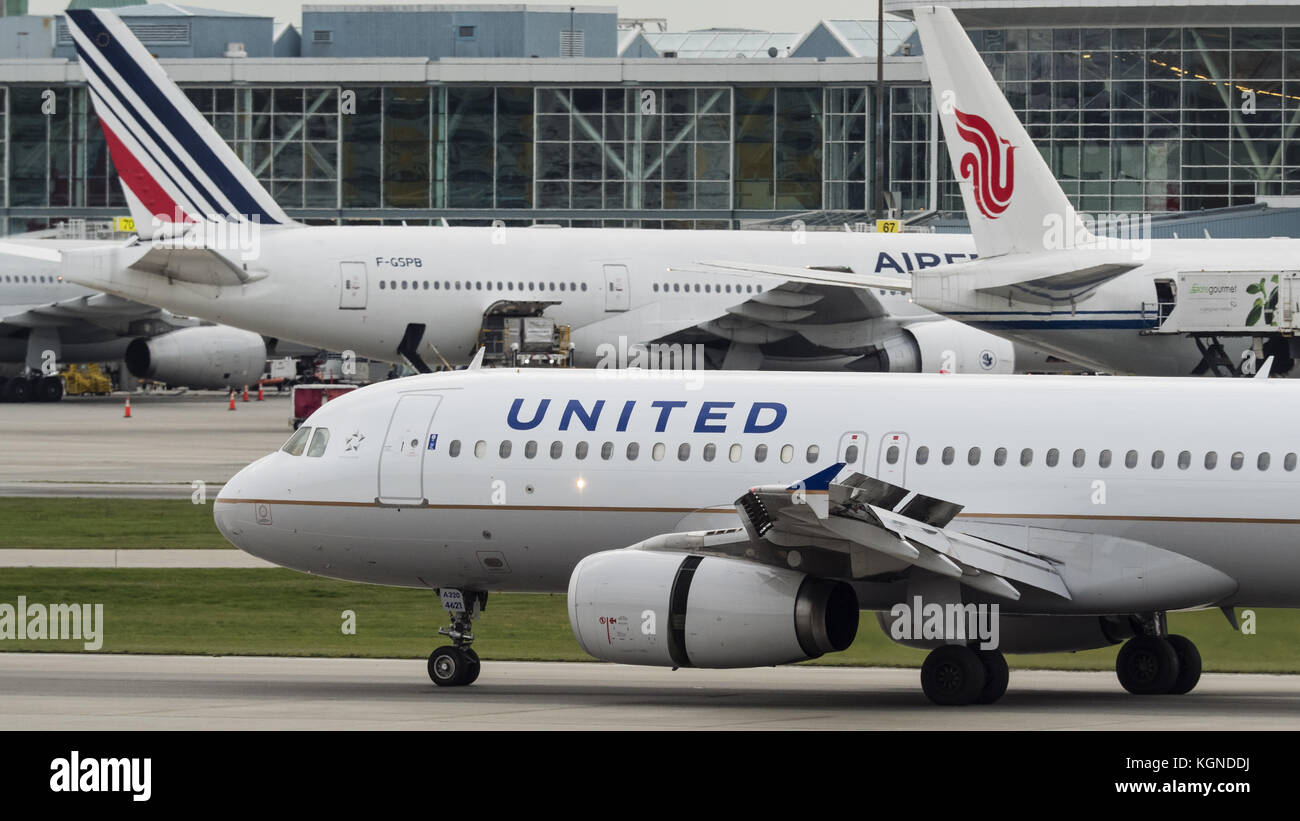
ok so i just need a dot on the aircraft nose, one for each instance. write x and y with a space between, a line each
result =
235 508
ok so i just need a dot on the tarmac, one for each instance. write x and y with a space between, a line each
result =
48 691
142 557
84 446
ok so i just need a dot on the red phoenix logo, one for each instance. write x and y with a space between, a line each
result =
990 167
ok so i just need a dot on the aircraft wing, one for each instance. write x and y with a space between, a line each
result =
93 308
858 527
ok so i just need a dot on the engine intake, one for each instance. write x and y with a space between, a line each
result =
676 610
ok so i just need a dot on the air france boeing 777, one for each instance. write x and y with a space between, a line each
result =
743 519
216 245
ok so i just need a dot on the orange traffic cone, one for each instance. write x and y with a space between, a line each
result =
259 391
232 401
245 393
127 413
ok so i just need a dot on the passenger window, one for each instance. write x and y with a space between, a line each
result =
557 450
1131 459
1000 457
504 450
1157 459
735 453
318 442
710 451
891 455
1262 462
949 453
683 452
1288 463
297 442
1079 457
657 452
787 453
633 451
1026 457
1211 460
530 448
813 453
580 452
760 453
607 451
922 455
453 450
1235 463
480 449
1053 457
973 457
1103 459
850 454
1184 460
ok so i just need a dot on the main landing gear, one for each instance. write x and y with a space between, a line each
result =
955 674
1156 663
458 665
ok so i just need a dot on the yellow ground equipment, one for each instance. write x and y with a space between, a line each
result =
79 380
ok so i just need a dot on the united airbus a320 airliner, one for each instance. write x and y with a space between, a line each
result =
744 519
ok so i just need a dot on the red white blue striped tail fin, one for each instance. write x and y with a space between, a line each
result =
176 168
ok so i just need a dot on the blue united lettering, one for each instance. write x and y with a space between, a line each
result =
635 415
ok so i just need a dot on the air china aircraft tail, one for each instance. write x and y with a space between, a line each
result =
174 166
1007 188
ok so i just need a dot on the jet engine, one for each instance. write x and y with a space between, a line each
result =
1039 634
679 610
207 356
958 348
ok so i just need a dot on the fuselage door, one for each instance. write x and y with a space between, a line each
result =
618 295
352 285
853 450
401 462
893 459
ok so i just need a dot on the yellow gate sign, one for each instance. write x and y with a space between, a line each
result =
124 224
889 226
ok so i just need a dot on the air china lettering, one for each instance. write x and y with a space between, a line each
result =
709 417
917 261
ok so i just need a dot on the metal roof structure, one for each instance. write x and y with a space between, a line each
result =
723 43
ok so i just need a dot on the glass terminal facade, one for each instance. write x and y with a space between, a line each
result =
1131 119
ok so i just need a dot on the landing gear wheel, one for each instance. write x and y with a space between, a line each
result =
49 389
451 667
996 676
1147 666
18 389
952 675
1189 665
474 665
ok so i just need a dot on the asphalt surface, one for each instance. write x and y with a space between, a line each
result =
84 446
142 557
101 692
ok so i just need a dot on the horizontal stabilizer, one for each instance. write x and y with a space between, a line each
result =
202 266
814 276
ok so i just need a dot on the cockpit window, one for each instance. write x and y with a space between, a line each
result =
318 442
297 442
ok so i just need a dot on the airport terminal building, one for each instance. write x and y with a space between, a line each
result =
469 113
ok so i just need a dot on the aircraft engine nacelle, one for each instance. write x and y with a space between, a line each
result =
1037 634
948 345
208 356
678 610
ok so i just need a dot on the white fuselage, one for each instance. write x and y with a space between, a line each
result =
413 487
606 284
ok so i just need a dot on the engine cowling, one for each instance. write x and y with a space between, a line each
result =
949 345
677 610
1039 634
208 356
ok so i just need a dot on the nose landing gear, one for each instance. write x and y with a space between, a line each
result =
458 665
